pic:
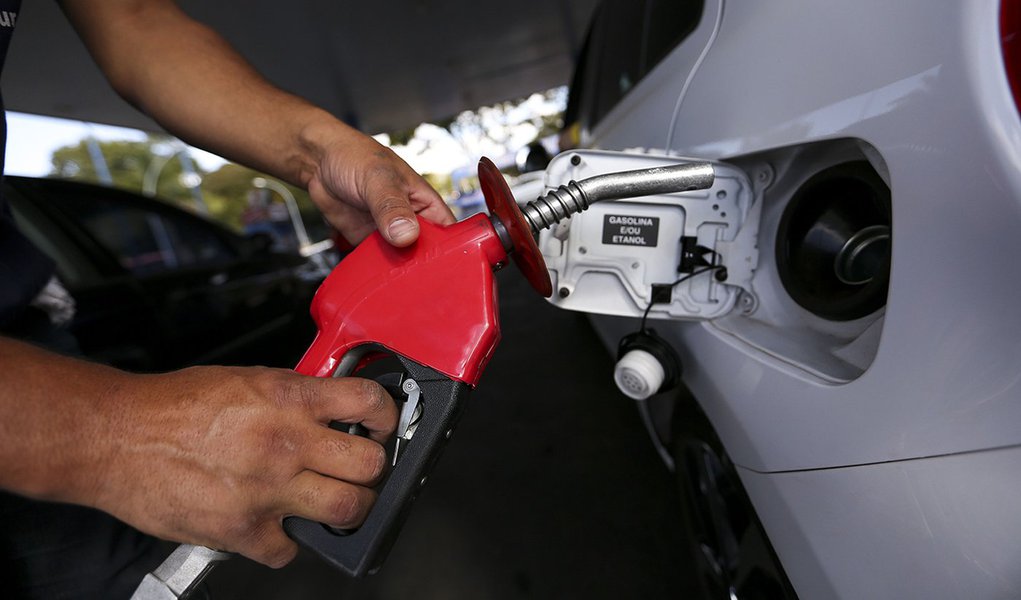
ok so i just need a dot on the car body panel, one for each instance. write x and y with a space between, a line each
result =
930 528
945 379
897 480
627 125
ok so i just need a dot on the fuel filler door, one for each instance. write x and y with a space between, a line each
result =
688 255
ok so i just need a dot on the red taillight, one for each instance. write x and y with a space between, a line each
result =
1010 40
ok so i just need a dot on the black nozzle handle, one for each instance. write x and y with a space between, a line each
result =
362 551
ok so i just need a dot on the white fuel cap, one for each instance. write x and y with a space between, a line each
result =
638 374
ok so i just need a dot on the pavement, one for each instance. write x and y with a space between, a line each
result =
549 488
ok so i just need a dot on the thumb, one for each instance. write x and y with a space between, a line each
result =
392 212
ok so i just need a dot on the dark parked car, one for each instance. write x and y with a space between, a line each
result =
157 287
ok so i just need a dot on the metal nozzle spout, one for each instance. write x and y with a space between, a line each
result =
576 196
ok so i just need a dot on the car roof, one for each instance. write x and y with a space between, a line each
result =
51 190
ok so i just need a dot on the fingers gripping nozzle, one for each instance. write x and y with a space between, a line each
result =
440 401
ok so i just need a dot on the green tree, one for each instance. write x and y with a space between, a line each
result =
129 164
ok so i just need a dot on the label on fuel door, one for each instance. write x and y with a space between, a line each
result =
626 230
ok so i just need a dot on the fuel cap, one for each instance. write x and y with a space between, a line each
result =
646 365
639 374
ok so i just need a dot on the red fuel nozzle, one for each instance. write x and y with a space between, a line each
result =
433 302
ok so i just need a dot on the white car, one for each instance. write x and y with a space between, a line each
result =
847 420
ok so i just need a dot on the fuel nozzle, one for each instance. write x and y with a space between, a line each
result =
517 228
576 196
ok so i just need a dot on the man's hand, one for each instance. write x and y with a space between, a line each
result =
196 86
215 456
361 185
219 456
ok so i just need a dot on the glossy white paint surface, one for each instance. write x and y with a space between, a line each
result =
901 482
923 84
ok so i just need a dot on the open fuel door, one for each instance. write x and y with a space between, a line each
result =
688 255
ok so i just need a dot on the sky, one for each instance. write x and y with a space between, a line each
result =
31 139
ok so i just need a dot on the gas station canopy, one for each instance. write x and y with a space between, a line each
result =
381 66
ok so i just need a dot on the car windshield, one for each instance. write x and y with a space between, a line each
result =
146 241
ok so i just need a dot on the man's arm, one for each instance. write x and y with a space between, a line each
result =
208 455
211 455
195 85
